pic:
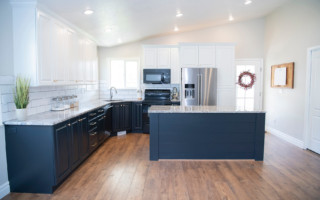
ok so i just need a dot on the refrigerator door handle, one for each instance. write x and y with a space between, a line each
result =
199 89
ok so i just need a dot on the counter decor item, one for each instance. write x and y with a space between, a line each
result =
282 75
139 94
242 80
21 97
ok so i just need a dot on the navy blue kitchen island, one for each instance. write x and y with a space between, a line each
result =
206 132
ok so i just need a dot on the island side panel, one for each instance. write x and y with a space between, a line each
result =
30 158
260 134
154 136
205 135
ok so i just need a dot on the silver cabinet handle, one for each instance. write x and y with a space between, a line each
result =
92 124
100 111
92 114
94 133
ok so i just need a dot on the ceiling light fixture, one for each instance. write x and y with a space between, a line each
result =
179 14
176 29
231 18
88 12
108 30
247 2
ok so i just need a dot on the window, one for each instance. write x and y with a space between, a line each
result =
124 73
245 98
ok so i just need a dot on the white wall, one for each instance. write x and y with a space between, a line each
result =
248 36
290 30
6 49
6 68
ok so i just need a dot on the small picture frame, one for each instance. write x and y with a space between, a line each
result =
282 75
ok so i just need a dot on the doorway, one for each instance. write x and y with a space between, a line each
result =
312 117
250 99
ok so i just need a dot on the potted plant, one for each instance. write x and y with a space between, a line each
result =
21 97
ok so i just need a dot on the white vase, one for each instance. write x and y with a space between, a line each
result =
21 114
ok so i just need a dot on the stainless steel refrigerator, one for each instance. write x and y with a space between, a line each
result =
199 86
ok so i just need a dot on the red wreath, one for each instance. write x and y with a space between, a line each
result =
246 85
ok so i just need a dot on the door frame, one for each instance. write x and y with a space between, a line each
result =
260 60
307 96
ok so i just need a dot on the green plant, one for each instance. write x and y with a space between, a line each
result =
21 93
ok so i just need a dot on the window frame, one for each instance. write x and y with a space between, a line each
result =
125 60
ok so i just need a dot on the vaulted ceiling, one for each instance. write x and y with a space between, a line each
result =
121 21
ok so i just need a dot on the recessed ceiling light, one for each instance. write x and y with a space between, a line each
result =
247 2
88 12
119 40
231 18
176 29
108 30
179 14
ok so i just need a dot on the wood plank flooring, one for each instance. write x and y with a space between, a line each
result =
120 169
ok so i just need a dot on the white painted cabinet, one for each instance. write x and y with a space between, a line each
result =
207 57
150 57
189 55
163 57
175 67
59 55
44 48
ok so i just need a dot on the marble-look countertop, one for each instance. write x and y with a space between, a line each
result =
50 118
199 109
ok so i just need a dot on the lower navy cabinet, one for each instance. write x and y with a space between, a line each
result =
121 117
40 158
137 117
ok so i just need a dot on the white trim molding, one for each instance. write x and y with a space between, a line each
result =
286 137
4 189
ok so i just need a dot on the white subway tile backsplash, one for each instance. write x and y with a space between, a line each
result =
40 97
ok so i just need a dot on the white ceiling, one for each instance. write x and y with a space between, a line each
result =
133 20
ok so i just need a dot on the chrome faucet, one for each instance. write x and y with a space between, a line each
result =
111 93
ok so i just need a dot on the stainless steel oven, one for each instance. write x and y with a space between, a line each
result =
156 76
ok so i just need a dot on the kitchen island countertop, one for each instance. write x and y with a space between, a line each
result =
199 109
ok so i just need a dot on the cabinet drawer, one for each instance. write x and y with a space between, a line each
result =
92 125
93 137
92 114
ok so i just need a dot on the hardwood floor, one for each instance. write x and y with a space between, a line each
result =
120 169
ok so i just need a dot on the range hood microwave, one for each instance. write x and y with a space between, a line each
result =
156 76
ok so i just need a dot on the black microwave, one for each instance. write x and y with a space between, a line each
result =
156 76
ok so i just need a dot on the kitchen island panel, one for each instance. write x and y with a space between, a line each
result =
207 136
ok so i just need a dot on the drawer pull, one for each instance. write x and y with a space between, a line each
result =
94 133
92 114
69 124
92 124
95 144
100 111
79 120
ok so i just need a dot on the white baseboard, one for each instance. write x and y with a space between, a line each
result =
4 189
286 137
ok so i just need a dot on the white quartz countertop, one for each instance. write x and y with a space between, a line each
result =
199 109
50 118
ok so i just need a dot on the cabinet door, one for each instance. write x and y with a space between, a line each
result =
73 55
207 56
80 61
44 50
116 117
137 117
163 57
101 128
189 56
75 145
150 57
59 52
84 140
62 141
226 66
126 110
175 68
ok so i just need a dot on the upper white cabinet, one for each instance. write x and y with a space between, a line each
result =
207 55
163 57
189 55
225 64
150 57
50 52
175 67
